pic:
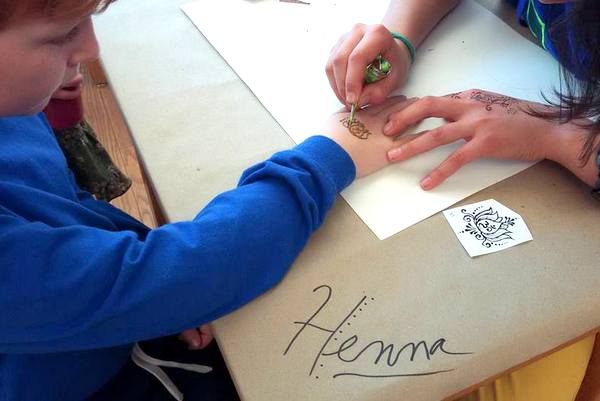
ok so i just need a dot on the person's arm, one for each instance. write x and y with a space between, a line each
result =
78 287
74 287
359 47
565 148
415 19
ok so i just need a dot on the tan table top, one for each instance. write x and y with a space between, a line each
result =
197 126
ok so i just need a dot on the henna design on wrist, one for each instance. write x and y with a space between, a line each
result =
356 128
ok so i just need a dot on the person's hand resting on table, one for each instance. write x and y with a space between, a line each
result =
492 126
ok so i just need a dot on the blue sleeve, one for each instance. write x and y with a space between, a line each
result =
79 287
120 219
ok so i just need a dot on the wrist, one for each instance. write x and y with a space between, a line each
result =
405 54
332 156
406 44
565 145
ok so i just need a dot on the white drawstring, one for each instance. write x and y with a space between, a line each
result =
152 366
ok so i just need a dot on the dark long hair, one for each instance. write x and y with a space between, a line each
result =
576 38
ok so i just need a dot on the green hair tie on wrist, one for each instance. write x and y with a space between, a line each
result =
407 43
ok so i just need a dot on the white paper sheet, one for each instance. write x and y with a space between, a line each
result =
280 49
487 227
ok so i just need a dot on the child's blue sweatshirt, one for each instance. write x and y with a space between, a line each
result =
81 281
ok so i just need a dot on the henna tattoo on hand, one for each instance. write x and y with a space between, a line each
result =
453 95
356 128
489 99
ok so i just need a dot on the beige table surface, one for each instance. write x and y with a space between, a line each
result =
197 126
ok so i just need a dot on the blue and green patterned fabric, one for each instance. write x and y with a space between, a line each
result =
540 18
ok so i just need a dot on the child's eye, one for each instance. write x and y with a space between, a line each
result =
69 37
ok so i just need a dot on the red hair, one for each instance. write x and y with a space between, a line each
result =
12 9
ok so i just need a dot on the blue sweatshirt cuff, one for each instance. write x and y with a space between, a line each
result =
331 157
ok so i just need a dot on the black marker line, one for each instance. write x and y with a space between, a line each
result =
315 326
389 376
312 317
331 335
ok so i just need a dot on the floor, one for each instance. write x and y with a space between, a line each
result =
104 115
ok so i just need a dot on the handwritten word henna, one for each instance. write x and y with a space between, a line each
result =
356 128
376 355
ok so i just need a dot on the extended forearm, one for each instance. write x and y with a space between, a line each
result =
416 18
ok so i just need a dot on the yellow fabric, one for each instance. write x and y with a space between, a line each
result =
557 377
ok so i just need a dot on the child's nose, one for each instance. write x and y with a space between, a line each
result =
88 48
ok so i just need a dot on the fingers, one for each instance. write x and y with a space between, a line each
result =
376 40
192 338
465 154
349 59
338 62
430 106
206 335
440 136
198 338
443 135
329 70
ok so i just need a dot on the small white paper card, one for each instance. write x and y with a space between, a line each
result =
487 227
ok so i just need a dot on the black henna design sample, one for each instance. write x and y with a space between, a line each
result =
356 128
490 99
488 226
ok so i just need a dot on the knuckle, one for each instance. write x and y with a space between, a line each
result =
469 93
437 134
427 101
358 27
438 175
396 120
408 148
355 57
339 60
482 121
379 29
455 160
